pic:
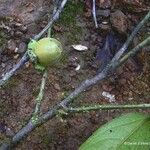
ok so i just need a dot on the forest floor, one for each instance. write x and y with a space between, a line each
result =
17 97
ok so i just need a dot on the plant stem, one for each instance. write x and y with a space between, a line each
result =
39 98
49 32
106 107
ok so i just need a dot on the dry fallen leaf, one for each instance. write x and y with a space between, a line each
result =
79 47
78 67
109 96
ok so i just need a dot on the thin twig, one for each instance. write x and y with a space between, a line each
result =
105 107
84 85
94 14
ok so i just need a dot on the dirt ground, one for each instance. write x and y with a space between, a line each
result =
17 97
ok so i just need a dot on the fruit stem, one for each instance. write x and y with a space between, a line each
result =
49 33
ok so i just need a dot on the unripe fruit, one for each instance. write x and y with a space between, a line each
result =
48 51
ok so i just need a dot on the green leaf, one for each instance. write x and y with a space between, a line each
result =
128 132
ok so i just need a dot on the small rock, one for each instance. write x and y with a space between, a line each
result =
104 87
132 79
103 13
17 24
23 29
57 87
104 4
3 65
120 71
119 21
9 132
27 64
18 34
16 56
21 48
131 87
122 81
2 127
130 98
12 33
130 94
107 88
4 58
73 73
73 62
119 97
125 93
66 78
16 49
11 45
105 27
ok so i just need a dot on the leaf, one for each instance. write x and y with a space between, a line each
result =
128 132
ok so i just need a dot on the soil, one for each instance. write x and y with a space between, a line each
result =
17 97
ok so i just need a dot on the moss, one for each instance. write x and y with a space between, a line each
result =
75 34
65 94
68 20
3 37
35 92
24 121
11 83
4 106
3 110
130 7
70 12
45 137
144 36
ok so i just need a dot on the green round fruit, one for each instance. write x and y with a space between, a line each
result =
48 51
